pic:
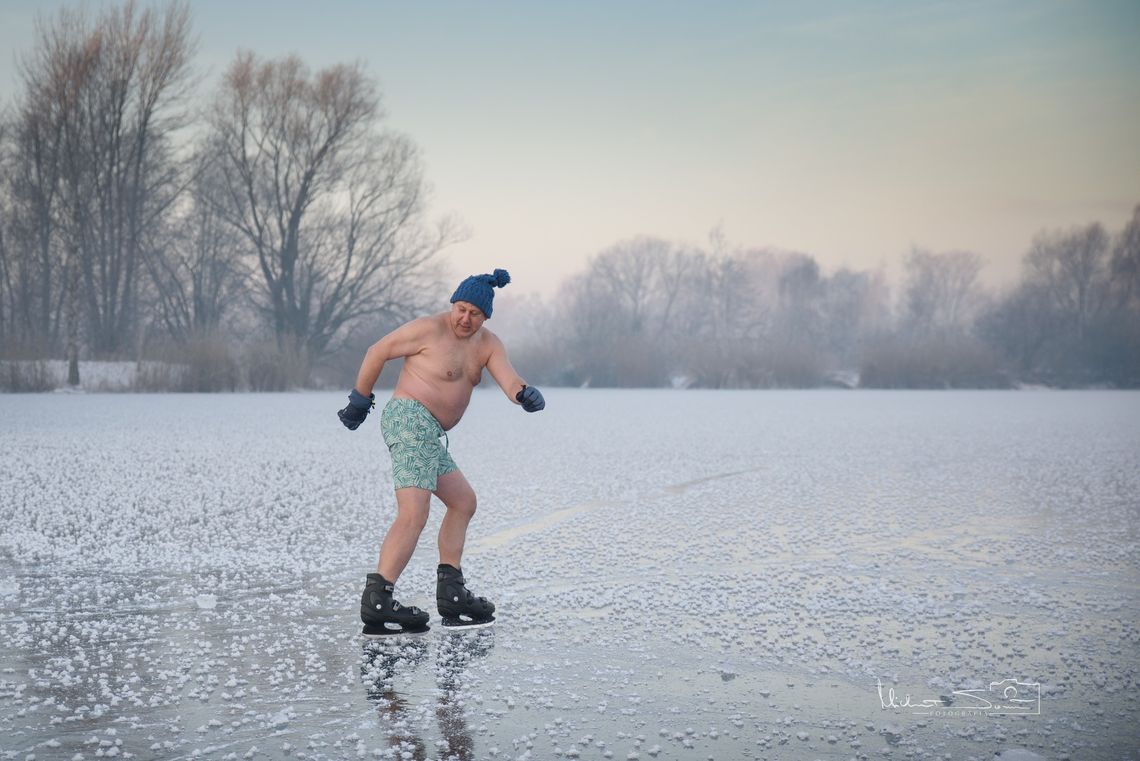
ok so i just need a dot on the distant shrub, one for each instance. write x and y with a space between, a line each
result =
623 361
1111 353
209 366
543 364
157 376
748 364
25 367
27 375
789 366
268 368
947 361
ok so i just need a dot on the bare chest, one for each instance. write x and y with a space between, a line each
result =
457 363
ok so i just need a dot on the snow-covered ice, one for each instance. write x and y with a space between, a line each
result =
679 574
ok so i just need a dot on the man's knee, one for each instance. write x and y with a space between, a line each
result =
464 504
411 515
412 520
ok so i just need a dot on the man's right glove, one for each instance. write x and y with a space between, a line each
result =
530 398
358 407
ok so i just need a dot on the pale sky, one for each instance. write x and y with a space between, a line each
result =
847 130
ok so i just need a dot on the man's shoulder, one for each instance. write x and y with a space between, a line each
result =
490 340
427 323
414 335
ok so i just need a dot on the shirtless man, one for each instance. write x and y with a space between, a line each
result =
444 356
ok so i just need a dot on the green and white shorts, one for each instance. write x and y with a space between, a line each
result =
412 435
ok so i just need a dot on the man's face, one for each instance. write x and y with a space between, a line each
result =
466 319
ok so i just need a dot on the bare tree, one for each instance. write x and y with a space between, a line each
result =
96 116
1024 327
1125 266
196 272
679 273
1072 267
30 258
629 270
715 346
619 319
329 205
585 330
8 261
801 291
728 306
942 292
855 307
748 289
58 79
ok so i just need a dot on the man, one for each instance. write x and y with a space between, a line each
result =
444 356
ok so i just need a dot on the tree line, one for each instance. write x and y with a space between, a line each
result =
266 232
136 220
649 312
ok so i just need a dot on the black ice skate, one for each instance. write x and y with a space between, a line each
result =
457 606
383 616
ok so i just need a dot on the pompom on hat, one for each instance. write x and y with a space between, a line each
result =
480 290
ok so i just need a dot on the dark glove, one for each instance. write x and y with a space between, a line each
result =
531 399
358 407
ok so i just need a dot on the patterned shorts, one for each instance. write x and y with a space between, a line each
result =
412 436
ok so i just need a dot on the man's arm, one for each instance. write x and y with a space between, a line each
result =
509 381
501 369
404 341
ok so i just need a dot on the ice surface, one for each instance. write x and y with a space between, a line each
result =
678 574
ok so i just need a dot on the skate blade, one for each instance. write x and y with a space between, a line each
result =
393 630
465 624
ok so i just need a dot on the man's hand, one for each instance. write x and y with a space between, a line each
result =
358 407
530 398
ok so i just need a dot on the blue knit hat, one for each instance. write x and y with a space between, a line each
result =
480 290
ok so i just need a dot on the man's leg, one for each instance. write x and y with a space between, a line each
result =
400 542
458 607
459 498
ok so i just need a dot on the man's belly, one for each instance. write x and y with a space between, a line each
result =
446 402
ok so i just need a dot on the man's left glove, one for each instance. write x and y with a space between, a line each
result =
358 407
530 398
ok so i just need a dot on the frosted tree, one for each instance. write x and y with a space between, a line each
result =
96 174
1072 267
1125 265
329 206
629 272
942 291
197 275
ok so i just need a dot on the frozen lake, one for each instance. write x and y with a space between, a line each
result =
679 574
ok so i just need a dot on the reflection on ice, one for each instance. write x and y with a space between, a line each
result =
388 663
681 575
383 659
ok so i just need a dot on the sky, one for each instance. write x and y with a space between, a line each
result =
850 131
